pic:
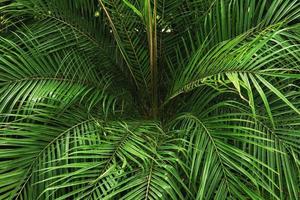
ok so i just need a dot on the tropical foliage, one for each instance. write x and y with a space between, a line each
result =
148 99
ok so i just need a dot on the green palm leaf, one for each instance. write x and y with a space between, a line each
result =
140 99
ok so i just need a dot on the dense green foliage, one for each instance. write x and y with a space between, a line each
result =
149 99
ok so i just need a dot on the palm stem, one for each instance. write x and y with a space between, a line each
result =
152 35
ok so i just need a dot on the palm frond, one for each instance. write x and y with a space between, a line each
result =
148 99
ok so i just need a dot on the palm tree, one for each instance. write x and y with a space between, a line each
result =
140 99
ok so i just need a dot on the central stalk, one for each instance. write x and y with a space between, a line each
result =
152 40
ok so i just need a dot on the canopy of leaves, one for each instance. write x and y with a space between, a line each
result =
148 99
